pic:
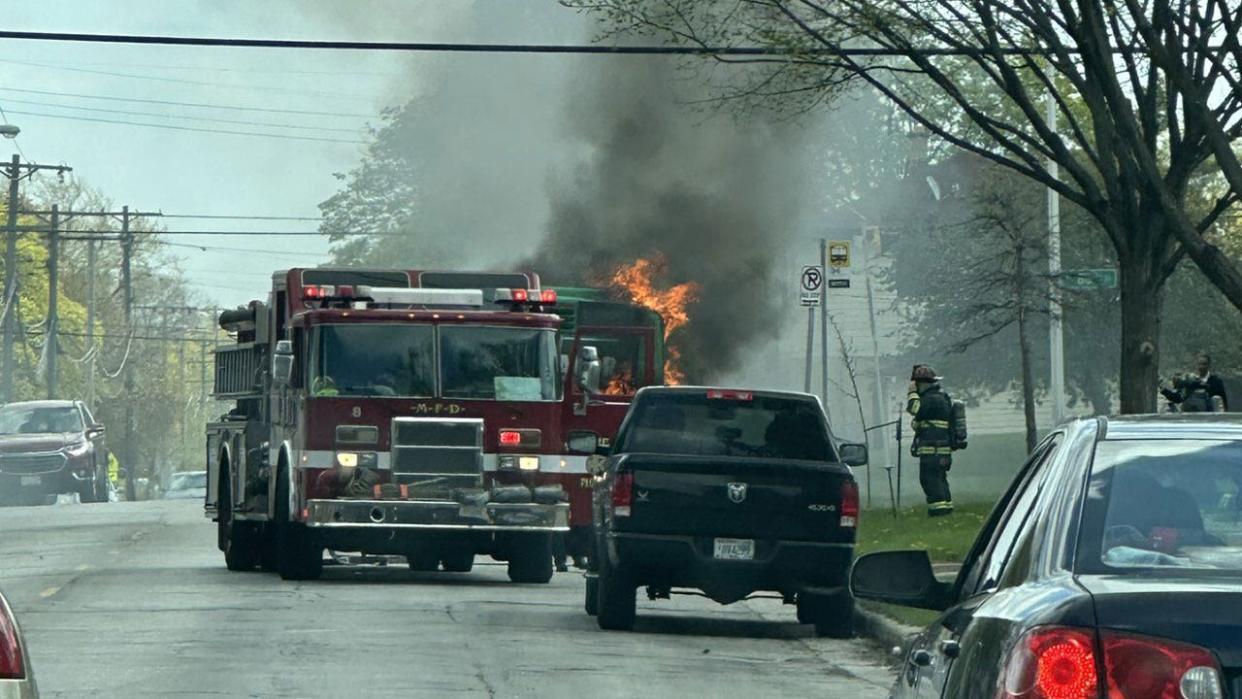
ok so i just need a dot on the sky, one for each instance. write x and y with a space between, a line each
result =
211 173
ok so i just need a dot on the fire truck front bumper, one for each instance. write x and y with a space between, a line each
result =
437 515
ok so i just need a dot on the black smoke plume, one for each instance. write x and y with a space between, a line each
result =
715 194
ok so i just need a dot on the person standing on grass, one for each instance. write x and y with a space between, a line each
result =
932 410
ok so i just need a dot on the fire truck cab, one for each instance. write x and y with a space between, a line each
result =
392 413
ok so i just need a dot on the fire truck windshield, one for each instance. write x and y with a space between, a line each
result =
500 363
373 360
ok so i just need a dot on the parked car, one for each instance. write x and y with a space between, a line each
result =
187 485
1112 566
49 447
16 678
726 492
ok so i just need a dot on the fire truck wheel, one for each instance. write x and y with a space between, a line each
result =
236 539
267 549
592 596
617 605
458 561
530 558
299 555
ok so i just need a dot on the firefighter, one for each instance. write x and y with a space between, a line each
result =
1198 392
932 410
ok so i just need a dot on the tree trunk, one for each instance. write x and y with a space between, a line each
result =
1028 382
1141 305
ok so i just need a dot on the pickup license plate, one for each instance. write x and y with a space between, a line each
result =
735 549
31 480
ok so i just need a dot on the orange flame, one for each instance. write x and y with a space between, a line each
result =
635 281
621 384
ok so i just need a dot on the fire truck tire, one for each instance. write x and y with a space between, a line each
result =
530 558
237 540
299 555
458 561
617 606
592 596
267 549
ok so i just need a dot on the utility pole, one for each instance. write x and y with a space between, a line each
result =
127 286
52 347
810 346
91 260
1057 350
14 172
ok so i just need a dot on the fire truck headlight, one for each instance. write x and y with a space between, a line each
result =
353 459
528 463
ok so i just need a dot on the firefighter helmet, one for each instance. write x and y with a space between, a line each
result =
922 372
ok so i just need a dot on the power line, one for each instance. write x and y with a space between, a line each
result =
448 47
184 81
222 69
205 248
188 128
243 233
197 105
188 117
240 217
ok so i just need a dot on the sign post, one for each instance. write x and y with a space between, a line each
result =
810 295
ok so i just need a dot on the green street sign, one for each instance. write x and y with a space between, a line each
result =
1088 279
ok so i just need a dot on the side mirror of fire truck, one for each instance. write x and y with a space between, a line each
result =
588 369
282 363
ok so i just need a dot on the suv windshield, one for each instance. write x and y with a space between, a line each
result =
185 481
690 423
18 419
373 360
499 363
1170 503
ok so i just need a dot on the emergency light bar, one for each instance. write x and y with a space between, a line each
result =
399 296
546 297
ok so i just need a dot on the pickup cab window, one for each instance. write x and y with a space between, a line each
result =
690 423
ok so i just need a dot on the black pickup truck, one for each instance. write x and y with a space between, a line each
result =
727 492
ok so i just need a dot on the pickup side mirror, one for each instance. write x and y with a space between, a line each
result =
282 363
854 454
94 431
583 442
905 578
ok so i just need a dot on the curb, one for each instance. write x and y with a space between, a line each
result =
882 630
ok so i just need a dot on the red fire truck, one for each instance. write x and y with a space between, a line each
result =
422 414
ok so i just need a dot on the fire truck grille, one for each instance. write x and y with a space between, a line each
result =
436 456
31 463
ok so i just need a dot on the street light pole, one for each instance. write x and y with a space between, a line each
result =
10 281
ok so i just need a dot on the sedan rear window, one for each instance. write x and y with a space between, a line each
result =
1169 504
693 424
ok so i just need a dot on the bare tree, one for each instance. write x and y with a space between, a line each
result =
1146 96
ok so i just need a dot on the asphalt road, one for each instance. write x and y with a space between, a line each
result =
132 600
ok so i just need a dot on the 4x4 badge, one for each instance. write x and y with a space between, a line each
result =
737 492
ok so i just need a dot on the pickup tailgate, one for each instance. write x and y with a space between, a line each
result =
737 497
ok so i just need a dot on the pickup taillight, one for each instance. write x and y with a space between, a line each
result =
11 666
849 504
622 493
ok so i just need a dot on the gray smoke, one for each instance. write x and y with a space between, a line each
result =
714 195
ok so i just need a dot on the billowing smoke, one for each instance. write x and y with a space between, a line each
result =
714 195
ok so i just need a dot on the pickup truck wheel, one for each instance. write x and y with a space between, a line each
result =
530 558
458 561
833 616
423 560
592 596
616 607
299 556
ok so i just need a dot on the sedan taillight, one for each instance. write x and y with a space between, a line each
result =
1062 663
11 666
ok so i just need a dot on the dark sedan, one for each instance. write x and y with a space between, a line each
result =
1111 567
49 447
